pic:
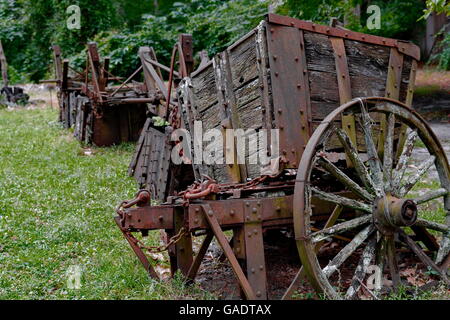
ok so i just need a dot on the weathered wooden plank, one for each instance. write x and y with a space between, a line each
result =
243 62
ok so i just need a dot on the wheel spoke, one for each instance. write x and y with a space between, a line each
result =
339 228
374 161
343 201
421 255
340 258
392 261
380 262
352 154
399 171
388 152
432 225
413 179
444 250
426 238
361 270
431 195
343 178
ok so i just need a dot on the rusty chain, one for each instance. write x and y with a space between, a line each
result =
158 249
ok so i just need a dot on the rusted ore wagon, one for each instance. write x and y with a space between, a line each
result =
104 109
342 183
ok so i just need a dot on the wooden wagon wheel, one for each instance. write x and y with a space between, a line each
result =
379 229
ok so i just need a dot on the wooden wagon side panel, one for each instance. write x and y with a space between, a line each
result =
246 105
227 95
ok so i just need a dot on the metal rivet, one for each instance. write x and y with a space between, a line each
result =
160 218
254 210
232 213
210 212
247 204
253 270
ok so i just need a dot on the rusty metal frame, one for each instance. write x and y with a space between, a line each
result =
290 87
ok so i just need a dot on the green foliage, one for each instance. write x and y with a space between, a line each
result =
214 25
29 27
120 27
318 11
444 56
398 17
436 6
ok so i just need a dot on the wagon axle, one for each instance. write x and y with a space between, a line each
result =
391 212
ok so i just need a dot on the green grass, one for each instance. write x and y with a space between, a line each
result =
56 211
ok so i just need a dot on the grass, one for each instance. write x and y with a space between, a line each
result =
56 211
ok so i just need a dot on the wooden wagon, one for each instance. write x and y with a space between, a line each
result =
341 180
104 109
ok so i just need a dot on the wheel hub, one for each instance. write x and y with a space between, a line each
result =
391 212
